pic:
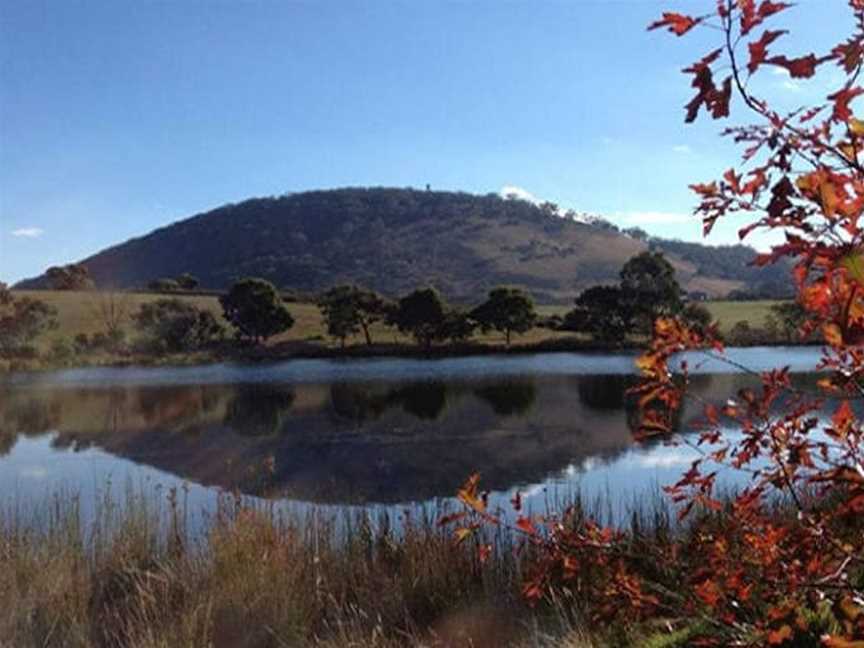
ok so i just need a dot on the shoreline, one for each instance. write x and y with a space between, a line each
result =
311 351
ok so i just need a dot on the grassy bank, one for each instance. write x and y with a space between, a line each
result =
136 576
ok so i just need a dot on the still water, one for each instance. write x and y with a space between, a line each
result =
394 433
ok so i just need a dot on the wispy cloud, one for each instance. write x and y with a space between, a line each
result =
664 460
682 148
512 191
656 218
28 232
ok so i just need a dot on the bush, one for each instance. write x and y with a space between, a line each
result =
172 325
255 309
22 320
62 350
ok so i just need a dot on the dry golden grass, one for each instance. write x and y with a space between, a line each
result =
80 312
136 577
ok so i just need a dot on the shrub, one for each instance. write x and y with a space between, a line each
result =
255 309
176 326
22 320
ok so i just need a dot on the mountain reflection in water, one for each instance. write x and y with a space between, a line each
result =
347 442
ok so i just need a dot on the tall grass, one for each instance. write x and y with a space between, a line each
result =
137 575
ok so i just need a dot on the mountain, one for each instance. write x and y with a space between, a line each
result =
393 240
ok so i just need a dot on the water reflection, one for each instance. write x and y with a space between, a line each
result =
348 442
258 410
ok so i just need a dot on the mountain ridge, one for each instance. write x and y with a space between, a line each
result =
393 240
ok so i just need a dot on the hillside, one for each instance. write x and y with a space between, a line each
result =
393 240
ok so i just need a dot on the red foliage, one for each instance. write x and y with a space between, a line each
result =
758 574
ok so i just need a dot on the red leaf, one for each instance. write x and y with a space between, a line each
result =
758 49
841 100
799 68
526 525
678 24
751 17
516 501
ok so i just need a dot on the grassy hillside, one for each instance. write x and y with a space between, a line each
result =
393 240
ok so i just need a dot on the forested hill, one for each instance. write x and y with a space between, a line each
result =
393 240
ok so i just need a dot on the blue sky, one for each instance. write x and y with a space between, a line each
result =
118 117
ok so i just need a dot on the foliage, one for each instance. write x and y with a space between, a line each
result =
507 310
22 320
697 316
176 326
164 285
792 318
780 562
649 287
348 309
421 314
74 276
603 312
457 326
188 281
111 310
255 309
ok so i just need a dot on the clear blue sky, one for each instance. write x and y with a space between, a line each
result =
117 117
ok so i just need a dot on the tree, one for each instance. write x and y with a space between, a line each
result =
74 276
792 318
255 309
176 326
420 314
188 281
111 309
349 309
457 326
22 320
697 316
648 283
603 312
507 310
164 285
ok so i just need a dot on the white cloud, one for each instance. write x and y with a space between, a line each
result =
28 232
511 191
682 148
664 460
791 86
656 218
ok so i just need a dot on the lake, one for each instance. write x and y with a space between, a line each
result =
384 434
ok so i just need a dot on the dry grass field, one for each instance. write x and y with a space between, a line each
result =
82 312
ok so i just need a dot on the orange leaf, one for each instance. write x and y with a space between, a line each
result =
678 24
468 494
777 637
526 525
833 335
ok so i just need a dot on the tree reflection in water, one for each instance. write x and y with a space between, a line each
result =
259 409
509 398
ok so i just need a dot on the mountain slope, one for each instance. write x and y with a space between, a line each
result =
393 240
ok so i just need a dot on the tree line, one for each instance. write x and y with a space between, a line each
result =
255 311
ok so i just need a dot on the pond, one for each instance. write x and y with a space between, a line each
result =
382 433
